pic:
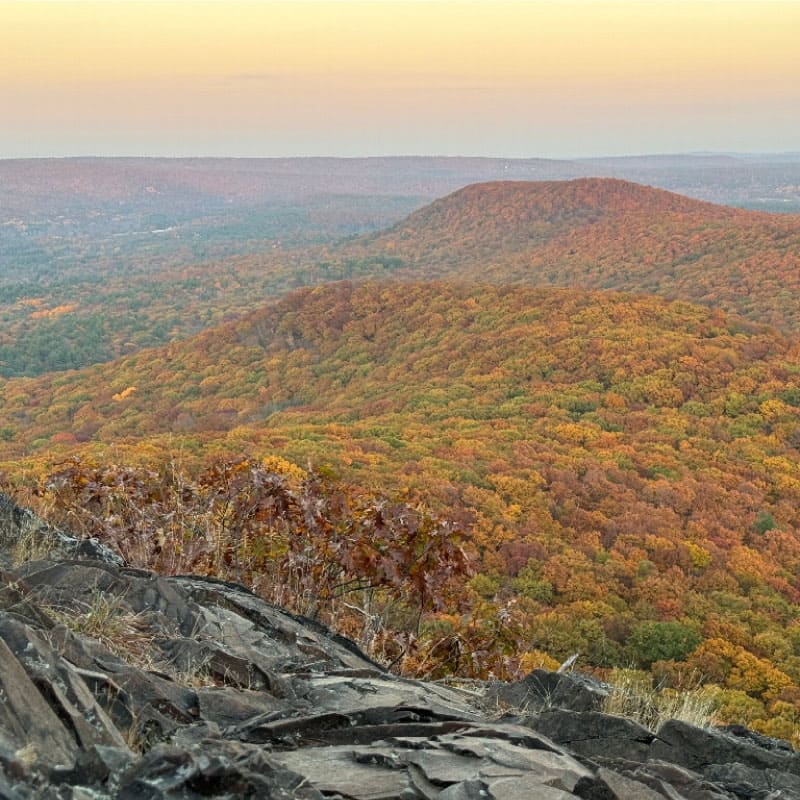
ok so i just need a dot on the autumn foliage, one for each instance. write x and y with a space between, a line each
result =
312 545
599 233
499 476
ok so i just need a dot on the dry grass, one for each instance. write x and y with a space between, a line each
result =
126 634
107 620
32 545
27 755
633 696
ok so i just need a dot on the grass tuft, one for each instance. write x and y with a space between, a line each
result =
633 696
107 620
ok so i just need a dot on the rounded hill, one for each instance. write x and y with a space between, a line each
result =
598 233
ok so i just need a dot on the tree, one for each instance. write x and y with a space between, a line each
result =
661 641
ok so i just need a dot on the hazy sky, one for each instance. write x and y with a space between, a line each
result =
552 79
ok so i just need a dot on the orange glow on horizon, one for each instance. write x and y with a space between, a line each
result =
141 60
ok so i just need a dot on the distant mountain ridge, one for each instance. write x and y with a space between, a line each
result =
734 178
601 233
601 194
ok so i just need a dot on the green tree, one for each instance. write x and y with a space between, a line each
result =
661 641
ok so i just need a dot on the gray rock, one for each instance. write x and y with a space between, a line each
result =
21 525
231 770
746 781
758 739
624 788
591 733
214 662
337 770
16 601
229 707
95 765
26 719
696 748
525 787
457 764
676 783
593 789
542 690
466 790
8 792
62 686
306 645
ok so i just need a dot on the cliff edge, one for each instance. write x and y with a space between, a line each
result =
120 683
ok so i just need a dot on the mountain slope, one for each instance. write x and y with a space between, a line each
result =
595 233
625 462
335 348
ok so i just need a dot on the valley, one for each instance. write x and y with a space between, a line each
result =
101 257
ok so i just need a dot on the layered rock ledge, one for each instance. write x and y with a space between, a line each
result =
187 687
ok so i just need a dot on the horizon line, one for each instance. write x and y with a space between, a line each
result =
399 156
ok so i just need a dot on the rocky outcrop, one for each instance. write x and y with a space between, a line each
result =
542 689
116 682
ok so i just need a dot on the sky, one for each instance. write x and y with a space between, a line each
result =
553 79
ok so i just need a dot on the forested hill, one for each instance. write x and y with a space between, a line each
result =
334 349
629 466
600 233
515 215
